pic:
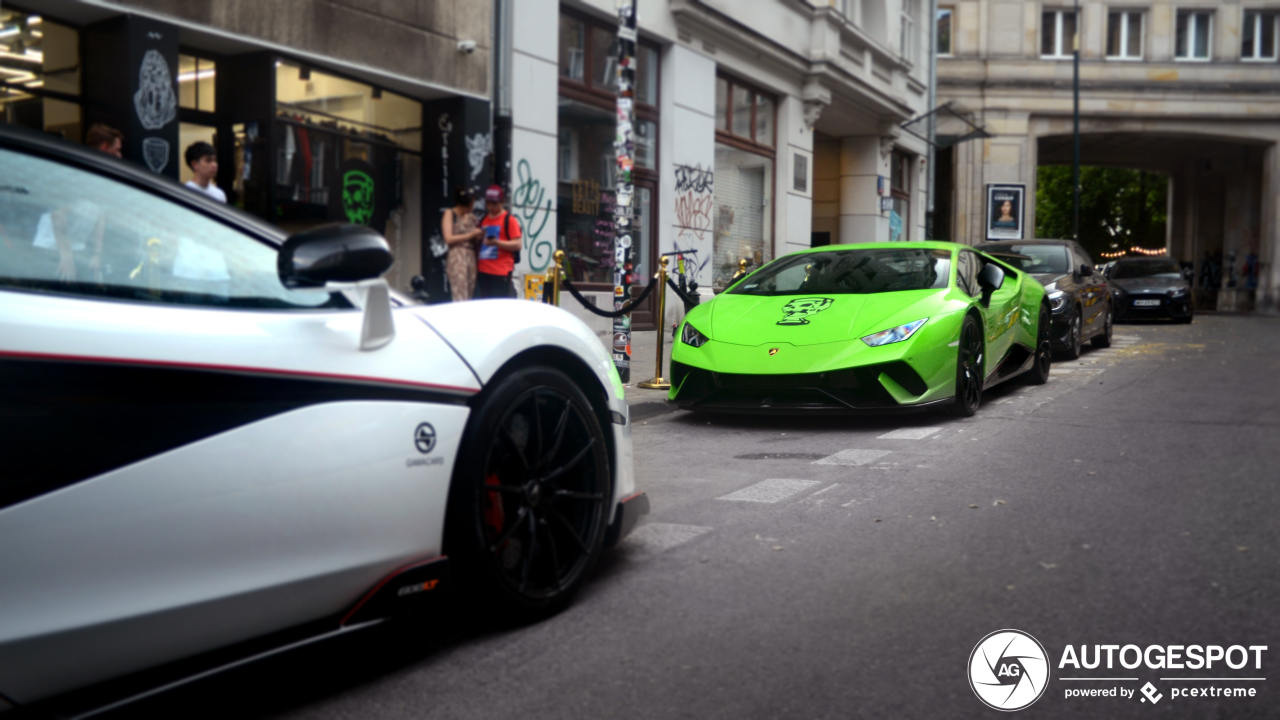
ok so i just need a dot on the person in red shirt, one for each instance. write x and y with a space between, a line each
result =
501 242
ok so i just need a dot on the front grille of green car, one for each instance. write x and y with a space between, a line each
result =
849 389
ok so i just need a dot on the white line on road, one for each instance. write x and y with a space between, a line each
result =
918 433
654 538
852 457
770 491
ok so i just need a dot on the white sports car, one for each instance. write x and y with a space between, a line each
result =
218 443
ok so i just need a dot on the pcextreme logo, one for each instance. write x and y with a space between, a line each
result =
1008 670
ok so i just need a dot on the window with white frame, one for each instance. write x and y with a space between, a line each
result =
908 40
1057 33
1124 35
1194 31
1258 36
946 23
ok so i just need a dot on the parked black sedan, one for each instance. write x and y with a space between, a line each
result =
1146 288
1078 296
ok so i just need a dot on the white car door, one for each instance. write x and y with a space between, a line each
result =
194 454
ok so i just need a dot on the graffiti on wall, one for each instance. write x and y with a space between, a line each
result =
477 150
695 202
527 199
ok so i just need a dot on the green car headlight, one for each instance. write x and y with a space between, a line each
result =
893 335
690 336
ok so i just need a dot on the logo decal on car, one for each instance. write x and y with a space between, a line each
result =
773 351
797 311
424 438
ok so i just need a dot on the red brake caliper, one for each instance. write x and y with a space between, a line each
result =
493 514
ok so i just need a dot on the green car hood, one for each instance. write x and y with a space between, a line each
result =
799 320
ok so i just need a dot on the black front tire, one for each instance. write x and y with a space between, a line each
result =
1185 320
1039 372
530 499
969 370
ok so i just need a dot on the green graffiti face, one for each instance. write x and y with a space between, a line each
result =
357 197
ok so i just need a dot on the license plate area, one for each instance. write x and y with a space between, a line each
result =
1146 303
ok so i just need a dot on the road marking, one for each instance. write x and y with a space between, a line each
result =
770 491
654 538
852 457
918 433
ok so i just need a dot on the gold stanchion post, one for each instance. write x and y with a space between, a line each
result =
742 270
553 278
658 383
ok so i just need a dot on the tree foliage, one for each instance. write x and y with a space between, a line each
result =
1119 208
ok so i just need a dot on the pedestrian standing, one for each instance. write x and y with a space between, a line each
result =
105 138
203 161
498 250
458 226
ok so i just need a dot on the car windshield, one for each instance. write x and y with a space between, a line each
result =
1035 258
1165 268
851 272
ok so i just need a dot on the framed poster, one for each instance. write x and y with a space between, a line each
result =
1005 212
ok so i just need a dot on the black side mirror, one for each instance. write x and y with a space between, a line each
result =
991 277
1086 271
333 253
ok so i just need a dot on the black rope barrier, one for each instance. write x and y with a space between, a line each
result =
688 301
602 313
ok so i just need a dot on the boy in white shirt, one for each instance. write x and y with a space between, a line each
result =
203 161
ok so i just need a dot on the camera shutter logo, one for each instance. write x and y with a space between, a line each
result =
1008 670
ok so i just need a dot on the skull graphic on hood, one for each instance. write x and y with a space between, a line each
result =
797 311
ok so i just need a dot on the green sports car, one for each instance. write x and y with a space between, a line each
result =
863 327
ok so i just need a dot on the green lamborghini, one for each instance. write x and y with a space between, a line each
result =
863 327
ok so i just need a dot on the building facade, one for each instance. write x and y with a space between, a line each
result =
1191 90
318 108
761 128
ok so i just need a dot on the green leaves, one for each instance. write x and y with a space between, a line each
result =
1119 208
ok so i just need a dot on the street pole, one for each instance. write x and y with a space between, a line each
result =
931 177
624 215
1075 125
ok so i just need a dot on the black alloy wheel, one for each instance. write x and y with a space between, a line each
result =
1075 341
969 372
1039 372
531 496
1103 339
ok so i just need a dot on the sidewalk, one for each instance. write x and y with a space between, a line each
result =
647 403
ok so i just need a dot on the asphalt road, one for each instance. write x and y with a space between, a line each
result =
847 568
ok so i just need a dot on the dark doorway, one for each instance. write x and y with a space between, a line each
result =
819 239
943 188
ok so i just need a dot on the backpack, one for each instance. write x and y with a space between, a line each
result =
506 231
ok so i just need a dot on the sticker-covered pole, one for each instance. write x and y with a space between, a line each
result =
624 213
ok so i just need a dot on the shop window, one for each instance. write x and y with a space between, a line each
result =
195 83
333 134
40 69
1194 32
744 112
900 191
1057 33
743 221
587 162
1124 35
944 28
1258 39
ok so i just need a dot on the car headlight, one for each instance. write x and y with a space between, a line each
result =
1177 292
1057 300
893 335
690 336
1118 292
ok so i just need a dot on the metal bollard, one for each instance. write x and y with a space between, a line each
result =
658 383
553 279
